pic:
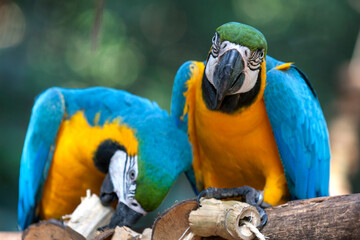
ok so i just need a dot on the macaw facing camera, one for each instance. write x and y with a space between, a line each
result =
251 120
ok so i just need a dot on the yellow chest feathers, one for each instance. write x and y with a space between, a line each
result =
232 150
72 170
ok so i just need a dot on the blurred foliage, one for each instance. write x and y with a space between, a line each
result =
141 44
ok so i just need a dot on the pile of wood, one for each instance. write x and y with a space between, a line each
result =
319 218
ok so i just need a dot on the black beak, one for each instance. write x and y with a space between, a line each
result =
228 76
107 194
124 216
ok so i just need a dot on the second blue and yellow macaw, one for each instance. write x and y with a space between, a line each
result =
119 145
252 120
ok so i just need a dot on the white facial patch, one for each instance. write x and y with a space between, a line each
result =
251 76
123 170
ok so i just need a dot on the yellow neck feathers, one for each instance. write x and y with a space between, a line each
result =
72 170
232 150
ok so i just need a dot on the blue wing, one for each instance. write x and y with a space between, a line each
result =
50 108
178 104
300 130
47 114
178 98
56 104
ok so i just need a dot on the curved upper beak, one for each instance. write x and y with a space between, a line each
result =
123 216
228 76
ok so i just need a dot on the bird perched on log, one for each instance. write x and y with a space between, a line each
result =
119 145
252 120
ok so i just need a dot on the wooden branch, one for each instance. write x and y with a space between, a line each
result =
223 218
319 218
10 235
89 215
51 230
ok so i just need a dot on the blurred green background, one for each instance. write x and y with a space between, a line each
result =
140 46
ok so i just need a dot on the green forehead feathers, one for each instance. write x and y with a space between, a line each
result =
242 34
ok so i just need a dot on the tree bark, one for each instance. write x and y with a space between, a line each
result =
318 218
10 235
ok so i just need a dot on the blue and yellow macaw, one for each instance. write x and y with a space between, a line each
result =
119 145
252 120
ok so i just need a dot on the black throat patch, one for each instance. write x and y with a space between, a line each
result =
231 103
104 153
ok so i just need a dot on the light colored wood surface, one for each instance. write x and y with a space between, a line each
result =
10 235
318 218
89 216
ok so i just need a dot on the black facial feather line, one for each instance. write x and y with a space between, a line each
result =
215 45
255 60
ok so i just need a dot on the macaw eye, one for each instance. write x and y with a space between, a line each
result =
247 53
132 175
261 54
215 45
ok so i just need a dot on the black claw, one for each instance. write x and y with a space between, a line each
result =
103 228
198 200
263 217
265 205
57 222
200 195
210 192
249 195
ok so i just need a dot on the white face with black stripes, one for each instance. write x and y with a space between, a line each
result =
123 170
251 62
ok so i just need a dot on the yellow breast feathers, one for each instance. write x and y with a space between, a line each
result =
232 150
72 170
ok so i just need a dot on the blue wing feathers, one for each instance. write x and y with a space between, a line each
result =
298 124
47 114
178 104
110 104
178 98
56 104
300 131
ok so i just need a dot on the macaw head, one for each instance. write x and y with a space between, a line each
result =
141 168
232 77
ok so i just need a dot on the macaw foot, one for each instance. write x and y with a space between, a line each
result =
249 194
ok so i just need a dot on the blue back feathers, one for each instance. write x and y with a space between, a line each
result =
163 150
298 125
300 130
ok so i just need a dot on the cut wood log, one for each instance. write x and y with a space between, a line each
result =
125 233
89 216
105 234
223 218
146 234
51 230
318 218
174 222
10 235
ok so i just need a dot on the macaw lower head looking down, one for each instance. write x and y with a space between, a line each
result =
120 146
232 71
